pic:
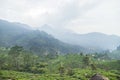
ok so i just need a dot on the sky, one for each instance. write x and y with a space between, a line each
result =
79 16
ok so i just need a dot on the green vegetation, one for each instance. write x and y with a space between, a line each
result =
18 64
36 41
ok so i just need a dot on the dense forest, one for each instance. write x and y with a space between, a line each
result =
16 63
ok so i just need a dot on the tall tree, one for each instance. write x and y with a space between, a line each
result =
86 60
14 53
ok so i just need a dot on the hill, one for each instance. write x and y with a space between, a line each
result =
37 41
94 40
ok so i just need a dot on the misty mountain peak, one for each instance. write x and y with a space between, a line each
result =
93 39
96 34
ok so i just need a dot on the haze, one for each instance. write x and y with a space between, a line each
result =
79 16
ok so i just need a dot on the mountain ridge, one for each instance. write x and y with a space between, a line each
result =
37 41
95 40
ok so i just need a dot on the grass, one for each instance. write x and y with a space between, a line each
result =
79 74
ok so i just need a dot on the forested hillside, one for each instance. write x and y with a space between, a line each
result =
59 39
37 41
27 54
102 41
19 64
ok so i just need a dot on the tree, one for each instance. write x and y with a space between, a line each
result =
61 70
81 54
2 60
26 61
14 53
40 68
86 60
93 67
70 72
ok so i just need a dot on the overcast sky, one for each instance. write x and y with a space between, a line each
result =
81 16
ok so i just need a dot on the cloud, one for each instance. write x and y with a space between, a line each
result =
35 12
69 11
80 16
102 18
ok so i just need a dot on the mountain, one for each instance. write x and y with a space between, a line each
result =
9 30
34 40
94 40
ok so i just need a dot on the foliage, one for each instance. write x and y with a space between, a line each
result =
29 66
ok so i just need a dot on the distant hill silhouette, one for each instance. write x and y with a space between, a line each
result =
94 40
34 40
